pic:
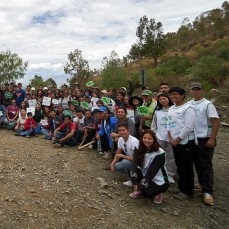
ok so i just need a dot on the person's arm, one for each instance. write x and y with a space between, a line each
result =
16 116
55 131
154 124
215 129
131 89
67 136
17 125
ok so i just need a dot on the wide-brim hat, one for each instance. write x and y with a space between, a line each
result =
135 97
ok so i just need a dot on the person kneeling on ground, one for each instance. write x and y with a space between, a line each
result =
148 172
124 154
65 134
29 126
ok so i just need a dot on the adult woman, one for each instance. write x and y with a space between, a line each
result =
21 121
119 101
40 95
66 98
148 173
159 127
12 112
38 115
23 106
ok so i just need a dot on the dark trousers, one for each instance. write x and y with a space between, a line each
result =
104 143
153 189
184 162
70 141
202 158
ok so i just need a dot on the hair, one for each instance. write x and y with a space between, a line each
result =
142 150
123 124
29 114
68 117
123 108
179 90
163 84
159 105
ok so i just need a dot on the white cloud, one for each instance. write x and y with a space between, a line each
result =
43 32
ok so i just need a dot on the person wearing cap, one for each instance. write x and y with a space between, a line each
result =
124 90
107 127
206 129
33 91
151 104
180 125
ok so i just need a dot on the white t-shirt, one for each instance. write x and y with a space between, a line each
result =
181 120
159 124
128 146
204 111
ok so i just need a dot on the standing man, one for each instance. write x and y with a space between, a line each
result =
206 129
19 94
181 120
124 155
164 88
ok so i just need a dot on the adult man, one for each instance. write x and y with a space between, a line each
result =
150 103
164 88
206 129
19 95
181 119
125 151
65 134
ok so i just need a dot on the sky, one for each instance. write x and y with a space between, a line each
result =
44 32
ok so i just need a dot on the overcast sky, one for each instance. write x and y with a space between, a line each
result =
44 32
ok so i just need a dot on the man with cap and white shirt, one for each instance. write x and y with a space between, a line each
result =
206 129
151 104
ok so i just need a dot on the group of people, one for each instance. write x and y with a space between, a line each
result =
151 138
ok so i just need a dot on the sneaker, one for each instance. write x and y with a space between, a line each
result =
17 134
208 199
171 180
101 152
198 188
128 183
27 136
158 198
57 146
90 146
182 196
106 156
136 194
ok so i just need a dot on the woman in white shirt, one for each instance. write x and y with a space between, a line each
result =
159 127
148 173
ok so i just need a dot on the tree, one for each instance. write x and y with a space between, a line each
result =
12 66
37 81
77 67
50 83
150 39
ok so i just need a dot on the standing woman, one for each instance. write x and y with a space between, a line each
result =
159 127
148 173
64 101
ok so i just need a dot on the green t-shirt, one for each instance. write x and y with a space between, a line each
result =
151 107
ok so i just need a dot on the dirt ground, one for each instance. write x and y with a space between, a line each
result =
43 187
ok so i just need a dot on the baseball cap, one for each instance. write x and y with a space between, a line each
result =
123 88
104 91
33 89
45 88
147 92
102 109
196 84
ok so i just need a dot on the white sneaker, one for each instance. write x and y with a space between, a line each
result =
90 146
128 183
171 180
106 155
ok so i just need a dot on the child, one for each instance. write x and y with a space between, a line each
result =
29 126
148 173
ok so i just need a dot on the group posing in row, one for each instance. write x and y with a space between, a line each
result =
150 138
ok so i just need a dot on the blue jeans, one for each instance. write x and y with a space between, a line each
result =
70 141
123 166
26 132
46 132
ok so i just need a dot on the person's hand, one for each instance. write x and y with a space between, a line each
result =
16 128
97 137
128 79
210 143
112 168
61 140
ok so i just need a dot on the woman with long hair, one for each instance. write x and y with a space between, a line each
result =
148 173
159 127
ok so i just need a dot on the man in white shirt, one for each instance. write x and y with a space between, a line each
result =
206 129
181 119
124 155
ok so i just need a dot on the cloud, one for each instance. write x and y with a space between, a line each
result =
43 32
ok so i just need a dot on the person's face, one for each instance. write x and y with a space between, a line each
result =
67 120
103 115
126 100
39 92
123 131
121 114
81 99
19 86
96 115
88 114
30 117
176 98
23 104
196 93
79 115
136 102
37 107
119 97
65 93
164 101
147 98
13 103
46 110
164 89
60 109
72 107
52 114
28 88
147 140
99 104
23 113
